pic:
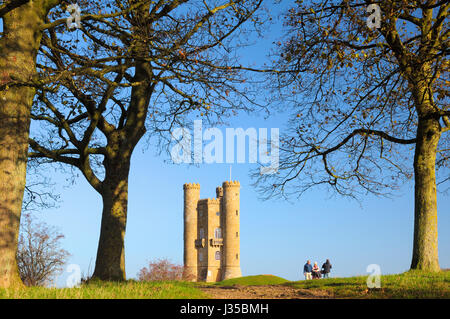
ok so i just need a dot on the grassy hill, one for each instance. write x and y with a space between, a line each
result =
411 284
407 285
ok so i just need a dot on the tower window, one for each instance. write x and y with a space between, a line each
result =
237 256
218 213
218 232
200 256
217 255
236 212
202 233
237 234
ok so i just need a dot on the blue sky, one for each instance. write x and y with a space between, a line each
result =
277 237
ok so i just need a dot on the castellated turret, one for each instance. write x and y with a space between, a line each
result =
211 233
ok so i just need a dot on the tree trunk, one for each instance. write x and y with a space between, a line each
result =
110 262
19 45
425 251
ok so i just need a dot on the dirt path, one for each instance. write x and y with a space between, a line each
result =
262 292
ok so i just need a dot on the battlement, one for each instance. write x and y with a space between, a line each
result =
231 184
191 185
207 201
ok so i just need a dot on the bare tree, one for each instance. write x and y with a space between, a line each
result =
143 70
39 256
23 22
370 104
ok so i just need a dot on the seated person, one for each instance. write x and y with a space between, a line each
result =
316 271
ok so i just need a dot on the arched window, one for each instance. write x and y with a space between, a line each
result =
218 255
202 233
218 232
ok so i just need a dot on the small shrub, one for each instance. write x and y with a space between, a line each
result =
161 269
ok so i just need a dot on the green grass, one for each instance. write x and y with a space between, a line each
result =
111 290
411 284
258 280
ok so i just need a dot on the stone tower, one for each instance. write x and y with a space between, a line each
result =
211 233
191 197
230 208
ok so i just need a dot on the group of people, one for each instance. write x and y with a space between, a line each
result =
314 272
